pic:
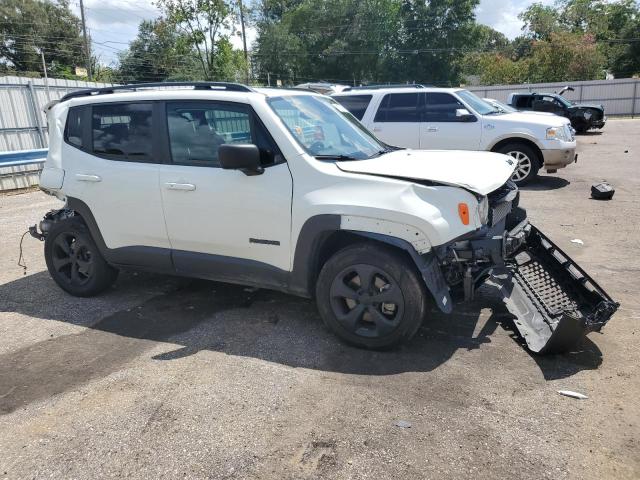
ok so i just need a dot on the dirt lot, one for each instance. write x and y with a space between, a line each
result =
167 378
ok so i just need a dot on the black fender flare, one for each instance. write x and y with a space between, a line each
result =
318 228
428 266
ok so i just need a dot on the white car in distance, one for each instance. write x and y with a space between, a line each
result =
455 119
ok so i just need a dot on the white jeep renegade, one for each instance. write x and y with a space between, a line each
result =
286 190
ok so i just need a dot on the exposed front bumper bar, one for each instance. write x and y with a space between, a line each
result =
554 301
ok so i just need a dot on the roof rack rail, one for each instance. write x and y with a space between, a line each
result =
85 92
392 85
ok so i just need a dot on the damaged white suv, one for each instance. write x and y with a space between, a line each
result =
286 190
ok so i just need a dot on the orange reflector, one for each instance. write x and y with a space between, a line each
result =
463 211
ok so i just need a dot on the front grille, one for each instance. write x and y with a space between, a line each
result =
596 114
501 202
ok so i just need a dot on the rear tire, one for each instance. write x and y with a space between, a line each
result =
528 162
73 259
371 296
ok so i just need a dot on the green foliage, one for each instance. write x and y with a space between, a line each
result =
29 27
158 53
565 56
203 27
353 41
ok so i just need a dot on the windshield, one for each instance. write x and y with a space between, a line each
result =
476 103
502 106
325 129
563 100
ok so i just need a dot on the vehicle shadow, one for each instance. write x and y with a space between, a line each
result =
546 182
235 320
590 133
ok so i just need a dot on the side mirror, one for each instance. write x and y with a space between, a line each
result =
243 157
463 115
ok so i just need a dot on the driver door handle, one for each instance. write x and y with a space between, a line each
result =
432 129
377 129
188 187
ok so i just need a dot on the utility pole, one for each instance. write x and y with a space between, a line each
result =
46 78
86 40
244 42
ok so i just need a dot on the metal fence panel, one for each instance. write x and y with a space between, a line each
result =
23 124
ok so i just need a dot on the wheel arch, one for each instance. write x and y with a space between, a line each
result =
524 141
321 237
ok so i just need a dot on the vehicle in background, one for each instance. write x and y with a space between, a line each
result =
455 119
285 189
322 87
581 115
509 109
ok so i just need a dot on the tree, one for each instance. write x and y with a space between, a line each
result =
205 26
565 57
31 27
158 53
540 21
430 39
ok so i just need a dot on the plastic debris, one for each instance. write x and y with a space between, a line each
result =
578 241
569 393
403 424
602 191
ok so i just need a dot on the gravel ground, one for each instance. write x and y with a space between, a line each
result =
164 377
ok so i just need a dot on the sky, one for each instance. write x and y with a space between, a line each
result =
113 23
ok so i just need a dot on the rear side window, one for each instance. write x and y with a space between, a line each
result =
441 107
398 107
122 131
73 130
356 104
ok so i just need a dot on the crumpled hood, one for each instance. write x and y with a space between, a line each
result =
480 172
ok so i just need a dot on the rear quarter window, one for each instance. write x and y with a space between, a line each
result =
356 104
73 129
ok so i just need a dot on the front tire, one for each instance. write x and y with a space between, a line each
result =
371 296
527 160
73 259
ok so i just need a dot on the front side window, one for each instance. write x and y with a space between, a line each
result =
398 107
441 107
356 104
475 102
324 128
123 131
523 101
196 131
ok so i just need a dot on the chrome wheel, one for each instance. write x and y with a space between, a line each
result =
366 301
524 167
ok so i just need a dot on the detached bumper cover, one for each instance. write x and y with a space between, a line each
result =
555 302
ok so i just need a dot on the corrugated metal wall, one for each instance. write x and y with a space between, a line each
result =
23 125
619 96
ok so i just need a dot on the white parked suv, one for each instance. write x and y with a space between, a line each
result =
286 190
456 119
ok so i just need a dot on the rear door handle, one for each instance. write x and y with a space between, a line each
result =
432 129
81 177
377 129
188 187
